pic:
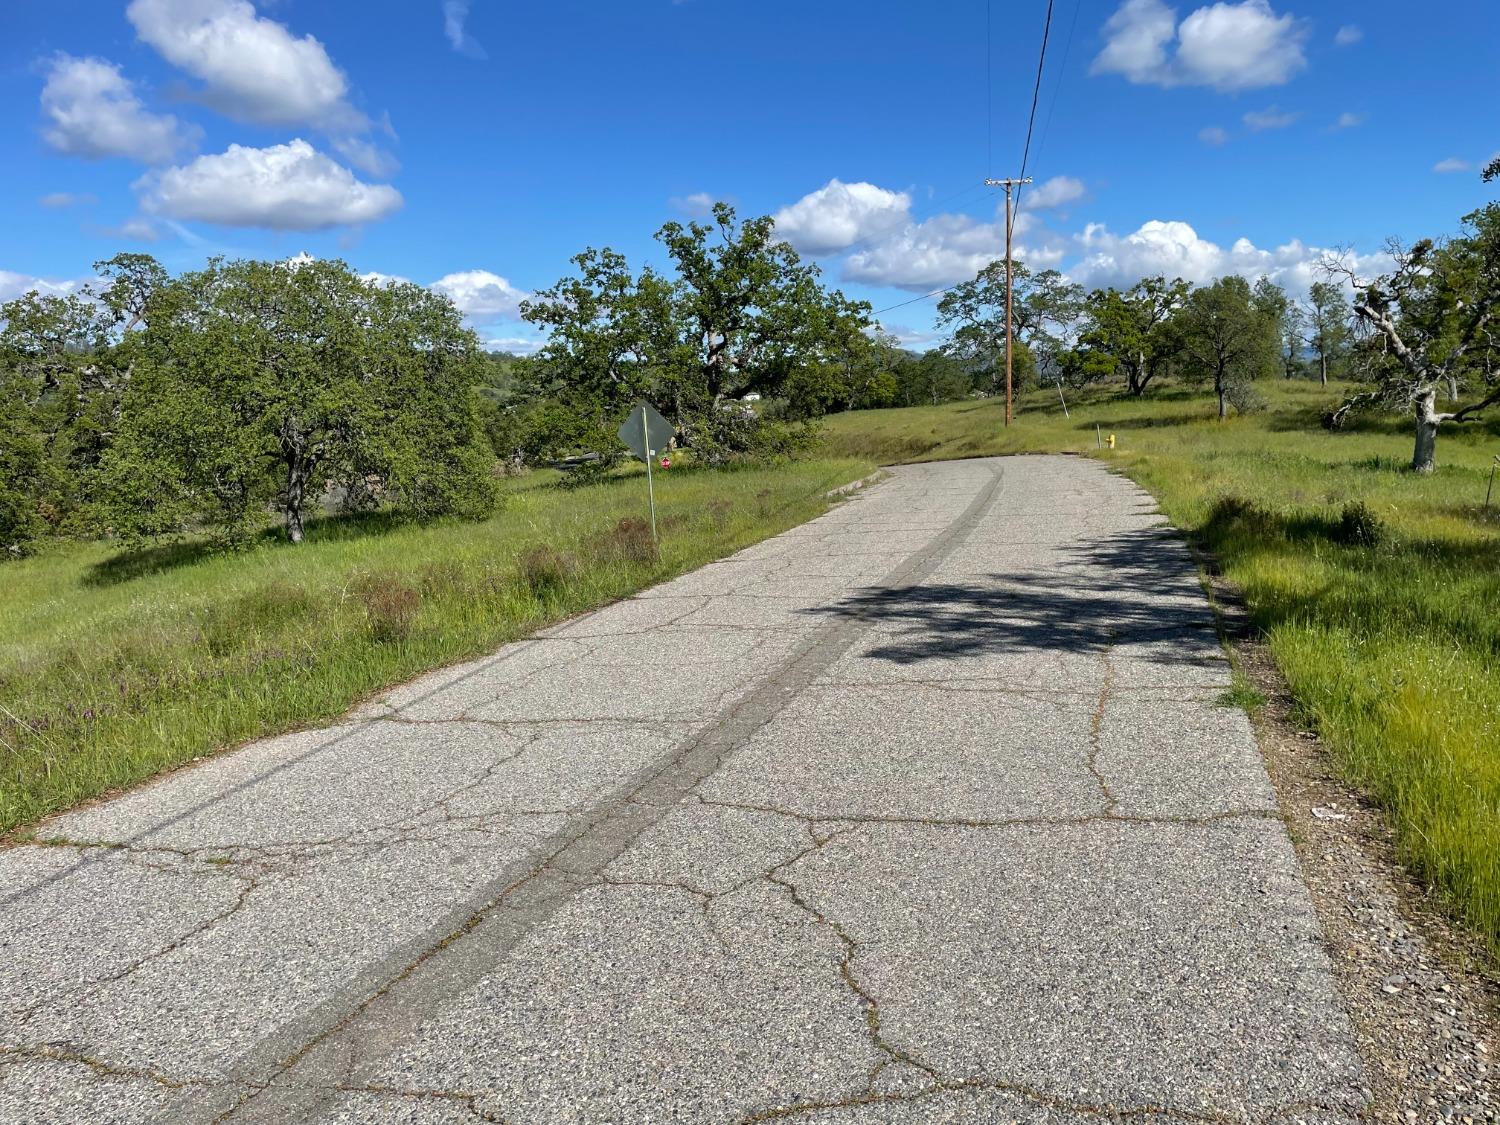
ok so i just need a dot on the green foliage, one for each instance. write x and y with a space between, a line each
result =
258 385
1435 315
1329 328
59 383
1359 526
1134 332
1231 335
740 313
1044 309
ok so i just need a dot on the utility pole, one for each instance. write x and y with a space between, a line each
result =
1009 378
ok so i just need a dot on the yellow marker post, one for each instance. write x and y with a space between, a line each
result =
1111 441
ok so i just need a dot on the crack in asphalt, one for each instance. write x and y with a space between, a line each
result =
869 1005
1028 1093
584 848
1096 727
14 1055
1204 821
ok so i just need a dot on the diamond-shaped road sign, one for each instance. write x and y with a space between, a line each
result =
646 433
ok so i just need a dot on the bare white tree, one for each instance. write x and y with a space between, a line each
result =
1437 312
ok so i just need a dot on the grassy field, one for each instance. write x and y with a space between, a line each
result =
1378 591
113 668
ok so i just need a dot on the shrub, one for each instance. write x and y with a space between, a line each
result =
1234 515
230 626
1358 526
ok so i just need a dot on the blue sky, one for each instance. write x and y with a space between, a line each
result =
476 146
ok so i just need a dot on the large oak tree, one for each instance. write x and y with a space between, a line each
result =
259 385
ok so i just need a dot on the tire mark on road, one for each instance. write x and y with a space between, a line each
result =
347 1038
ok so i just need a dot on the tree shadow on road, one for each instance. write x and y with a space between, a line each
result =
1138 589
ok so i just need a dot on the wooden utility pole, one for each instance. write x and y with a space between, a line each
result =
1009 269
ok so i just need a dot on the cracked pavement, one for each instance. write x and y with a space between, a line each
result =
924 811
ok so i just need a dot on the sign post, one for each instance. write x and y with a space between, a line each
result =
645 433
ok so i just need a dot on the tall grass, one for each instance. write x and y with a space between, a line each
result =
1378 591
113 668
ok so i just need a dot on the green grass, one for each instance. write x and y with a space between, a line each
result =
1384 619
113 668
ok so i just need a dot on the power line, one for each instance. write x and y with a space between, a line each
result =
990 104
914 300
1061 74
1035 97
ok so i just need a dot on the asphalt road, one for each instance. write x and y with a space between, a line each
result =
925 811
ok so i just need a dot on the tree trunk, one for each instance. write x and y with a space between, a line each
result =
1452 388
1424 456
1222 390
296 490
1323 367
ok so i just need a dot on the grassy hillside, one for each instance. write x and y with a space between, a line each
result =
114 668
1378 591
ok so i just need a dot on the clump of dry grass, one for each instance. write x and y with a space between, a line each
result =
546 571
391 605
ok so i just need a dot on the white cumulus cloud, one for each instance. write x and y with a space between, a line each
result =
1228 46
838 215
384 280
886 245
482 295
1056 192
253 69
1349 121
698 205
13 285
1175 249
92 110
1213 135
283 187
945 250
515 345
1347 36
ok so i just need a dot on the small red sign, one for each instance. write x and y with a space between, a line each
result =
666 462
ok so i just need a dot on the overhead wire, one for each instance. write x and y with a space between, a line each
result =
1041 63
1036 94
1062 69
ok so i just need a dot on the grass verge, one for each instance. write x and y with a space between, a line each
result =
114 668
1378 591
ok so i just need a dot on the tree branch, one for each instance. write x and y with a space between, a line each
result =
1468 412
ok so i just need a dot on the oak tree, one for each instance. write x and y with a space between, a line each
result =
279 385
